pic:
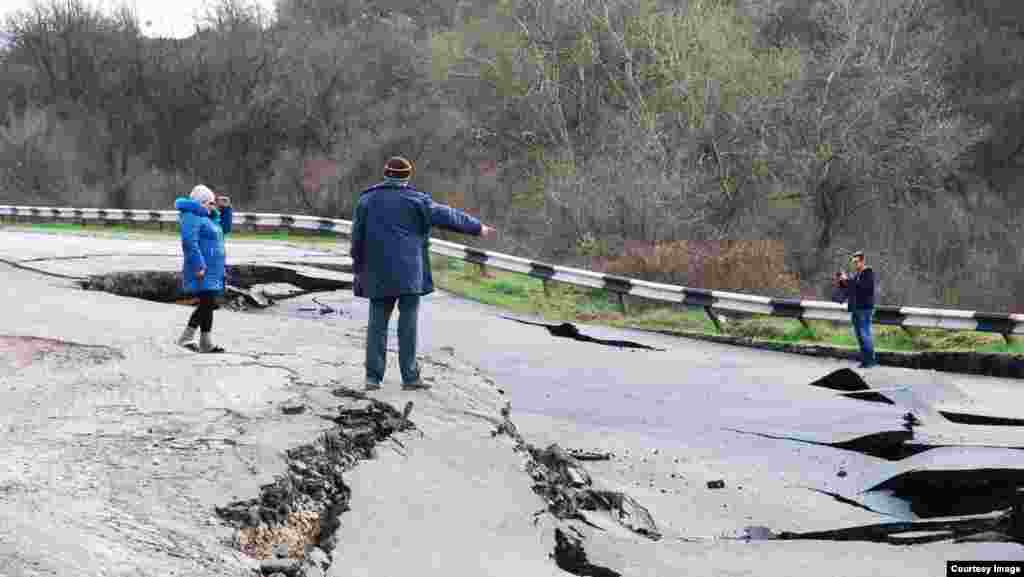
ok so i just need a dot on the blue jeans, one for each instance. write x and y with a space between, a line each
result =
377 337
862 329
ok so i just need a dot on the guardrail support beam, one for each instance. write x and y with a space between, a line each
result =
714 318
546 283
1008 338
622 302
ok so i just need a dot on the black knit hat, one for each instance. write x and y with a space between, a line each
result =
398 167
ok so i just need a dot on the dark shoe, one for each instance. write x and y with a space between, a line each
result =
206 344
372 385
417 385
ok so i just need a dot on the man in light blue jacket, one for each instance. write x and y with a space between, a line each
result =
390 232
204 220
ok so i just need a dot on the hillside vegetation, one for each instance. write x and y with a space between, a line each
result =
726 144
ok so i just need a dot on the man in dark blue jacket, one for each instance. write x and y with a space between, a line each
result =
861 304
390 232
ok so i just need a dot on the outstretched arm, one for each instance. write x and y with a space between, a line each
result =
453 219
456 220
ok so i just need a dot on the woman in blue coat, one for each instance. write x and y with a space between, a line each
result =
204 220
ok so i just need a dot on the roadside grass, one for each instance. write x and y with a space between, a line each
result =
523 294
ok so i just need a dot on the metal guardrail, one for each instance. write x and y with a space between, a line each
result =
711 301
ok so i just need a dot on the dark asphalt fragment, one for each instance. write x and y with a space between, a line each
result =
854 386
570 331
970 419
589 455
570 556
888 445
1006 527
956 492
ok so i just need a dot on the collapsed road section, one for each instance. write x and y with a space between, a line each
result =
248 285
976 490
290 527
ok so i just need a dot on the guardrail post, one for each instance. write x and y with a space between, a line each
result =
622 302
547 287
804 323
1008 338
714 318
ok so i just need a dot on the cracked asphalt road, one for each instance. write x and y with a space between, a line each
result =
136 452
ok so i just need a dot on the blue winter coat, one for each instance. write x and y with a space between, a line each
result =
202 243
390 236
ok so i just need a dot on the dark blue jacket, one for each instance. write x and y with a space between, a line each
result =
390 236
202 243
861 290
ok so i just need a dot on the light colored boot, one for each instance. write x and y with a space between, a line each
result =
187 337
206 344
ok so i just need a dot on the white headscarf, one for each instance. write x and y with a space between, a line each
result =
201 194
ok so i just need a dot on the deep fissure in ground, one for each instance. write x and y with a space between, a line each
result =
165 286
568 491
291 526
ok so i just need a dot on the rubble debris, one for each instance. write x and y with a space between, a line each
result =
566 488
570 556
290 567
625 509
325 309
300 509
581 455
569 331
